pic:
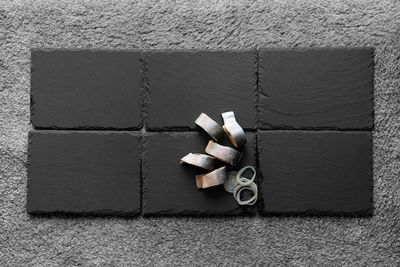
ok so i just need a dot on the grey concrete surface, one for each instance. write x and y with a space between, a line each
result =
26 241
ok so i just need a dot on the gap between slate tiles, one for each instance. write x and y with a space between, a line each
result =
144 90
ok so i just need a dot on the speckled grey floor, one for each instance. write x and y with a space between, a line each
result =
27 240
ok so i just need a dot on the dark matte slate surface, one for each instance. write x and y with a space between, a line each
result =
183 84
170 188
84 172
328 88
305 172
85 89
316 172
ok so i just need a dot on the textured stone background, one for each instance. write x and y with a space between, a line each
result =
26 240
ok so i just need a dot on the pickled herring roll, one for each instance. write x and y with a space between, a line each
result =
210 126
216 177
224 153
200 160
233 129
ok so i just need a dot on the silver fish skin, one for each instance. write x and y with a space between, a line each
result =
200 160
214 178
210 126
234 131
224 153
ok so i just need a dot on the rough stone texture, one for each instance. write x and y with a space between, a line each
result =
96 173
87 89
206 24
316 88
170 188
315 172
219 81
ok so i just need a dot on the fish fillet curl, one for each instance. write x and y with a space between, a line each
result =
224 153
216 177
210 126
233 129
200 160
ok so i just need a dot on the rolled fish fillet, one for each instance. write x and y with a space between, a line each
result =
200 160
210 126
233 129
213 178
224 153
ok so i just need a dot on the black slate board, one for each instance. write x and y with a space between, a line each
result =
86 89
316 172
170 188
321 88
84 172
183 84
305 172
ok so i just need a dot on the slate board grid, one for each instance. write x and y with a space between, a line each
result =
316 116
82 98
173 87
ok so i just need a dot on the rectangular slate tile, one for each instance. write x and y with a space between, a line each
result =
85 89
84 172
316 172
183 84
326 88
170 188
